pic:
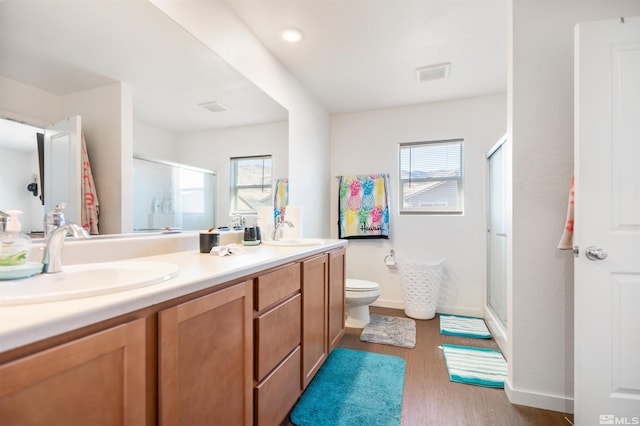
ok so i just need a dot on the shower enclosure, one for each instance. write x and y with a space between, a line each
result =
497 238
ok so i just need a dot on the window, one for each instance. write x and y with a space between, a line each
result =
250 184
431 177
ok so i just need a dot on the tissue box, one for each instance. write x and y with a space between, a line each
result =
231 236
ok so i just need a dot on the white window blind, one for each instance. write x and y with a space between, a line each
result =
431 177
251 183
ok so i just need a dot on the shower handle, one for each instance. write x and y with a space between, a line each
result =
595 253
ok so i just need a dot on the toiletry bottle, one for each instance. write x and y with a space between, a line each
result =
14 245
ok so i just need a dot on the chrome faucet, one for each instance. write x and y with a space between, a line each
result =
54 219
278 229
238 221
4 218
52 257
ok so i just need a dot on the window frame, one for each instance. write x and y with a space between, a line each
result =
459 179
234 187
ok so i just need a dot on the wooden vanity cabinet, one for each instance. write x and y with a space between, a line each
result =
315 320
205 359
323 309
99 379
336 296
238 354
277 344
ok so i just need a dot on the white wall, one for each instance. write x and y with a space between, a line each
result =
153 142
26 103
109 136
213 149
367 142
214 24
540 278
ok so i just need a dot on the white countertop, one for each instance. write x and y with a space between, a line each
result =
24 324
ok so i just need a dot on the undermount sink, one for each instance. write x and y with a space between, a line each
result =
76 281
292 242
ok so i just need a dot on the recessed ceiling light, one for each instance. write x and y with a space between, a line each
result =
292 35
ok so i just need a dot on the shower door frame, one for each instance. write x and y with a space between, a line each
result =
496 326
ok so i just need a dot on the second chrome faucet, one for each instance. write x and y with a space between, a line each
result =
277 231
56 230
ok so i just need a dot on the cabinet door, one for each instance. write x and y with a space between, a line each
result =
336 296
95 380
314 316
205 360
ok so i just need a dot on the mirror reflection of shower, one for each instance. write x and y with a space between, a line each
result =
172 197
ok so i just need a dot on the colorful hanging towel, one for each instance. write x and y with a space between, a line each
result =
90 204
363 206
280 197
566 240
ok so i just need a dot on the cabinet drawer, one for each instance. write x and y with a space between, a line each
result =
277 333
276 285
277 394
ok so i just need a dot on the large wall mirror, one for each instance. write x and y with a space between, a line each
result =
143 87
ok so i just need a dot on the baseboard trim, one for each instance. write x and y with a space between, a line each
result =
452 310
538 400
388 303
460 310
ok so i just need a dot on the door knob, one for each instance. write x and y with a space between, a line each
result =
595 253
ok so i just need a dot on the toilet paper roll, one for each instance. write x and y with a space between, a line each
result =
294 215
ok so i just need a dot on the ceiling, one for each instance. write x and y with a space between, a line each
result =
362 54
355 55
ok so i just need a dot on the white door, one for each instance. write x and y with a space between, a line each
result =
607 209
62 167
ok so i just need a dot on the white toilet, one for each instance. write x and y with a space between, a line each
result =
359 294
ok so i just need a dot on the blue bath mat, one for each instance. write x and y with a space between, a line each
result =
475 366
353 388
454 325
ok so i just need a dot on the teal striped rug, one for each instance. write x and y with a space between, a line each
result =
475 366
454 325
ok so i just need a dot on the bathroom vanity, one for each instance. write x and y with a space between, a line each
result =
232 340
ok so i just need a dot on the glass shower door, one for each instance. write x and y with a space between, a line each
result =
497 235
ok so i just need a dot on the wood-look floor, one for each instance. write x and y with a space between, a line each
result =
430 398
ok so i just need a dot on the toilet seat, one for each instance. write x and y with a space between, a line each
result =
360 285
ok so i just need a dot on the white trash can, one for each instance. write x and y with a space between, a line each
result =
421 283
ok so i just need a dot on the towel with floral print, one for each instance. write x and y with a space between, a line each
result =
363 206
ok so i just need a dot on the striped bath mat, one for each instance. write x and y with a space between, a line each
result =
475 366
453 325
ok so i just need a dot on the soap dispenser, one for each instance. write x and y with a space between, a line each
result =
14 245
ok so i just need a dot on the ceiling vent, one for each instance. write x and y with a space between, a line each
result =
214 106
433 72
